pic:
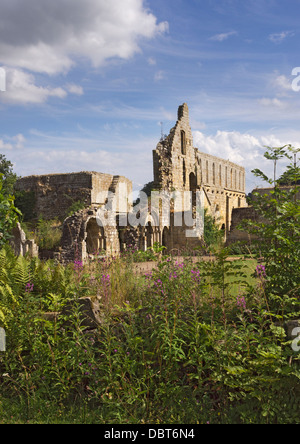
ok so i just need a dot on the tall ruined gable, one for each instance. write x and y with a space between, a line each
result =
175 155
178 166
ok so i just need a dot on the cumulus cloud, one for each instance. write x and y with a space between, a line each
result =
51 37
48 37
244 149
15 142
21 89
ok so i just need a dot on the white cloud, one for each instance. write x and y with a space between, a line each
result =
15 142
271 102
50 37
151 61
21 89
279 37
283 83
223 36
5 146
75 89
45 153
159 75
19 140
244 149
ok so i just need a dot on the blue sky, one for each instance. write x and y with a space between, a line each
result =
89 81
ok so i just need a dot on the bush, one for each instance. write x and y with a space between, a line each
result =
278 234
9 215
48 234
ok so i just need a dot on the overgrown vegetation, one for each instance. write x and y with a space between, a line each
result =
46 233
192 341
278 231
9 178
9 214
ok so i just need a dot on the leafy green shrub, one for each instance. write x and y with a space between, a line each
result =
48 234
9 214
183 348
278 234
76 206
212 234
26 201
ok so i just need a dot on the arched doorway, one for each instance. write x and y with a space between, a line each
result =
95 238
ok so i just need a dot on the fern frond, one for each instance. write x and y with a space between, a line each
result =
7 300
3 266
20 275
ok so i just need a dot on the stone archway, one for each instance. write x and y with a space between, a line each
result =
95 237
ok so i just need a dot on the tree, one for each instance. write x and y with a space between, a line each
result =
9 214
278 231
9 178
212 234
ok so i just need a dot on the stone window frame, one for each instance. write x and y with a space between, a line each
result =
183 142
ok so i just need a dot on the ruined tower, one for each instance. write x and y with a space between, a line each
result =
179 166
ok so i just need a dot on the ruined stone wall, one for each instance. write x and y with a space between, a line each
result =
119 186
84 239
238 216
264 191
21 245
55 193
181 167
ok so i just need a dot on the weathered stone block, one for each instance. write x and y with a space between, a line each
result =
89 312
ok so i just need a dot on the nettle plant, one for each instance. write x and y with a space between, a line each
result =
278 231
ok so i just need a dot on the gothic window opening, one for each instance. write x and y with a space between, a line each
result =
207 173
193 189
184 173
183 143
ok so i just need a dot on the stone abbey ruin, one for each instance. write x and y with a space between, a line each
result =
178 168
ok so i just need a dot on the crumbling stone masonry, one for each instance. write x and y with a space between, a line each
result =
83 239
178 166
54 194
241 214
21 245
181 167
